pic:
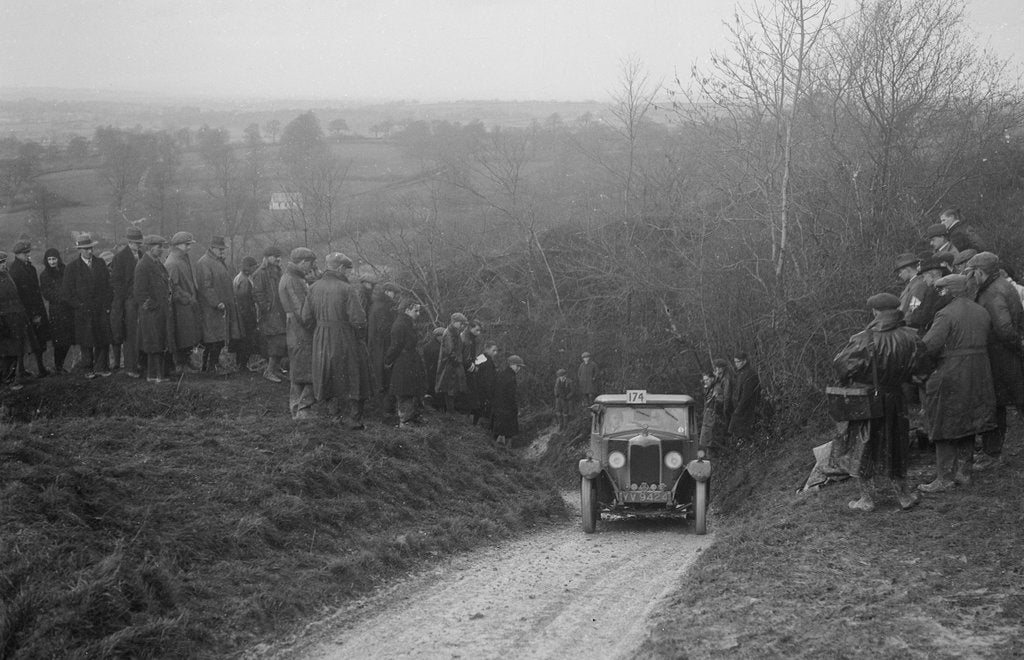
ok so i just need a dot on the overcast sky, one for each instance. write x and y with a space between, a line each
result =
387 49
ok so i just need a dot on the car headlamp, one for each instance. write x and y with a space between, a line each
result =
673 460
616 459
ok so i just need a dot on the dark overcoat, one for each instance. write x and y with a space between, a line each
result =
293 291
62 314
187 316
244 301
451 375
505 403
431 350
471 399
26 278
214 286
86 287
586 378
265 283
151 291
408 377
122 282
14 340
485 373
959 398
380 320
745 397
892 350
1003 305
341 365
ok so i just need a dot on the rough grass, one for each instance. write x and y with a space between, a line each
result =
182 535
800 575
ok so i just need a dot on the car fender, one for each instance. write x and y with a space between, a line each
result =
589 468
699 470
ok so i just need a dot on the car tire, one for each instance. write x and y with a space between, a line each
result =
700 508
588 505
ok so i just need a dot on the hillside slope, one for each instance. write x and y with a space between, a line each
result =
801 575
202 518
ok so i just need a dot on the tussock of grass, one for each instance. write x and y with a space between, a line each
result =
800 575
132 536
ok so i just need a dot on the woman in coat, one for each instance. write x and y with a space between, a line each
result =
505 401
62 314
408 377
341 369
151 288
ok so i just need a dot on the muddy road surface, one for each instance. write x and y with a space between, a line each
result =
557 593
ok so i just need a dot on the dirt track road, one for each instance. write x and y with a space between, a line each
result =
554 594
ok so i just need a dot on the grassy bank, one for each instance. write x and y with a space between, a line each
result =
800 575
161 532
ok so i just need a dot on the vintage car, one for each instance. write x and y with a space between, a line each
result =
644 459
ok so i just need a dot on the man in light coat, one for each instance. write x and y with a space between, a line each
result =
293 291
451 373
187 319
221 323
341 365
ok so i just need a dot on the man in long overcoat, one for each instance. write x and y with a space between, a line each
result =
380 319
187 315
14 337
217 301
1006 314
408 381
960 401
430 350
505 401
885 355
151 292
272 322
586 378
293 291
451 373
25 276
87 288
124 314
341 369
744 399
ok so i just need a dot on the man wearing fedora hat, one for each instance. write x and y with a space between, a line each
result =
151 292
185 309
86 287
221 323
26 277
124 315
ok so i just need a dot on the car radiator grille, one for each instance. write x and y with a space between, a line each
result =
645 464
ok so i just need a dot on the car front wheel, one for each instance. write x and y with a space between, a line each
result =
588 505
700 508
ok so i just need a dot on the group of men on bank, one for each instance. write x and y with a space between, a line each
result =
953 340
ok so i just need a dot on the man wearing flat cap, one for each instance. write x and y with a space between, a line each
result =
380 318
931 269
341 369
272 322
587 377
86 287
744 399
451 374
1006 316
151 293
249 342
185 309
124 315
882 356
960 401
293 291
938 238
221 323
26 277
916 290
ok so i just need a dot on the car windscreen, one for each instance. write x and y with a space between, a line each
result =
672 419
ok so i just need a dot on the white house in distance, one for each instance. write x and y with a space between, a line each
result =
285 201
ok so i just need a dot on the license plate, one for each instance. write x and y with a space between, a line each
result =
634 496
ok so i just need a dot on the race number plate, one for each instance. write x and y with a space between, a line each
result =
638 496
636 396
